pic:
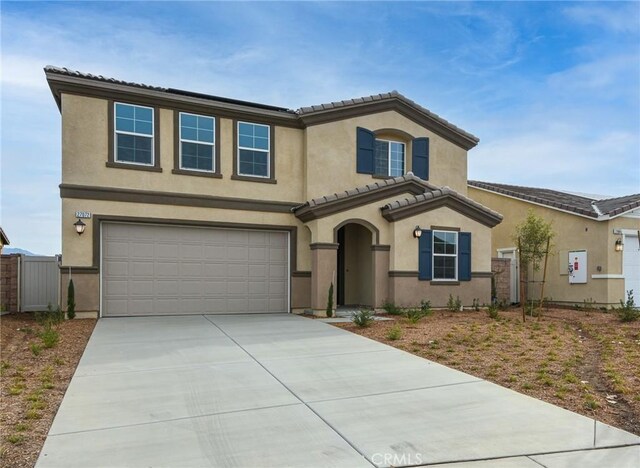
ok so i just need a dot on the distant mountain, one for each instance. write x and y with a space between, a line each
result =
15 250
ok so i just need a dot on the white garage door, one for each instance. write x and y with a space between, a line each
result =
175 270
631 266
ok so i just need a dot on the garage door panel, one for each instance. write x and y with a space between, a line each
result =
116 267
162 270
166 269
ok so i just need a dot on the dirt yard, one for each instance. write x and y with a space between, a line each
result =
584 361
34 378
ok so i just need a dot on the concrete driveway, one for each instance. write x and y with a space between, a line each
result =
282 390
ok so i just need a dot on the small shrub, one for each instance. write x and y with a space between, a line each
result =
476 304
414 315
627 311
36 349
503 305
49 337
591 403
15 439
363 318
16 389
329 310
392 309
71 300
425 307
21 427
394 333
454 305
492 311
58 361
589 304
33 414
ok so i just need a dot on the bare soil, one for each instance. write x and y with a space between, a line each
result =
584 361
32 386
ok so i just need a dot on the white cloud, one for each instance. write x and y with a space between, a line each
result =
620 17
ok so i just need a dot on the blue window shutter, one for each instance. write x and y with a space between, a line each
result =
420 158
464 256
425 255
365 143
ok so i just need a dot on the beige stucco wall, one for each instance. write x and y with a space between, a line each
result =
333 145
572 233
404 247
85 151
408 292
78 250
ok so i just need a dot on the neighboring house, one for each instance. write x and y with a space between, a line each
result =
4 240
596 250
201 204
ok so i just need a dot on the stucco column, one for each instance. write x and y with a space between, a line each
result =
380 270
324 259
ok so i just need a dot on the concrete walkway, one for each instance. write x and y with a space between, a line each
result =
282 390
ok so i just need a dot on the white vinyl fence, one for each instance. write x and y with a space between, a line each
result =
39 283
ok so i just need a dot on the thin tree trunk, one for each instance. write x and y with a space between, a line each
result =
522 288
544 278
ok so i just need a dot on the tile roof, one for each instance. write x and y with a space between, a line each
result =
393 96
409 177
565 201
383 97
89 76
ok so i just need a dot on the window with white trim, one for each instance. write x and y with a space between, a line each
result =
389 158
197 142
253 149
445 255
134 134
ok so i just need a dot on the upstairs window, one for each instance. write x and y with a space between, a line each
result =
253 150
134 134
380 157
197 142
389 158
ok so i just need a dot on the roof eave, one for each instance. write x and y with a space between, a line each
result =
60 83
449 200
457 136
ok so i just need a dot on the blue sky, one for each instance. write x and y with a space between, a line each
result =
552 89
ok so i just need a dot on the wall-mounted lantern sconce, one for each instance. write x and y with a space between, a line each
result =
417 232
79 226
619 245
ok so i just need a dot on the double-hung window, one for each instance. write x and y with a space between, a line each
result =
389 158
134 134
445 255
197 142
253 150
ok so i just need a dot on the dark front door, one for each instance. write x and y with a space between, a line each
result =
340 285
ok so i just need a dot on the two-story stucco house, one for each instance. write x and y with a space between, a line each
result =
202 204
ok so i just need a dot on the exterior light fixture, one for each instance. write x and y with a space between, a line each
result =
79 226
417 232
619 245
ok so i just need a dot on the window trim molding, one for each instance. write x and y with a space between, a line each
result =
270 161
434 255
177 150
111 149
404 158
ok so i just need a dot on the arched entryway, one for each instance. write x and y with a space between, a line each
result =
355 277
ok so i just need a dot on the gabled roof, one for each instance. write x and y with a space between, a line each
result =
581 205
61 78
4 238
388 101
444 196
340 201
417 196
